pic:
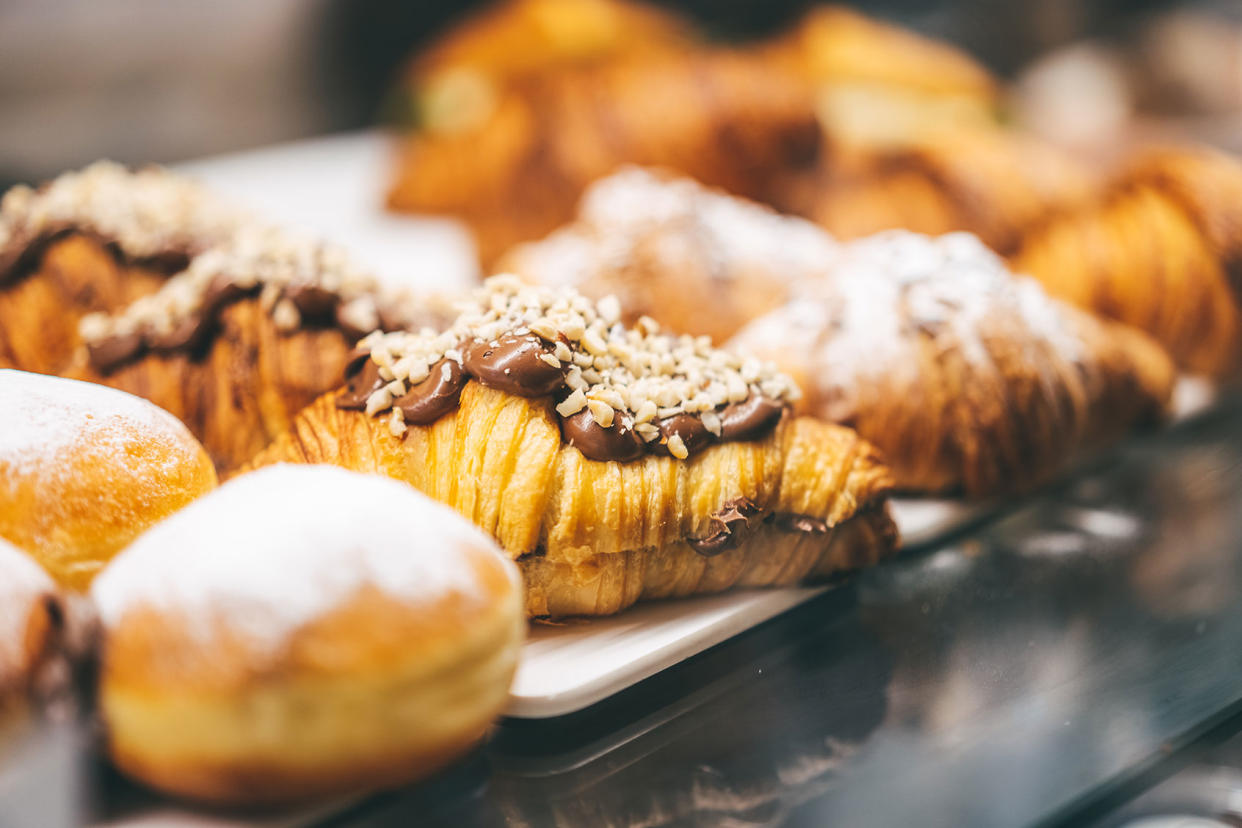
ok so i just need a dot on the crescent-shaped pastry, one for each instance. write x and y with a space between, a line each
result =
613 463
93 240
696 260
965 376
1161 249
728 119
453 85
300 633
238 342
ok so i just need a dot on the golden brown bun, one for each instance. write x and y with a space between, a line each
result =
965 377
240 391
75 275
301 633
727 119
500 460
85 469
696 260
452 85
1161 249
987 181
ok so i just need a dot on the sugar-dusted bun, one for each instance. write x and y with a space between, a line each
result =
304 631
85 469
31 613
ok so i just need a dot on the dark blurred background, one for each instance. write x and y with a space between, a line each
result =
140 81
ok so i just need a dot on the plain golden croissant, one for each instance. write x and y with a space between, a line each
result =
1160 249
725 118
93 240
248 334
696 260
837 48
452 85
991 182
614 464
966 377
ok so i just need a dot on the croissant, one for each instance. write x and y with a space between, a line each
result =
991 182
966 377
694 259
242 339
613 464
1160 248
93 240
839 49
451 86
728 119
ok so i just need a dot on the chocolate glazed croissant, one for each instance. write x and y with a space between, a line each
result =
966 377
94 240
240 341
1160 249
727 119
641 482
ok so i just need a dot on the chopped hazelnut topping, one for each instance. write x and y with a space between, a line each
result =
636 374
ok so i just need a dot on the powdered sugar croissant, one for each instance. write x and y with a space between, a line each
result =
613 464
966 377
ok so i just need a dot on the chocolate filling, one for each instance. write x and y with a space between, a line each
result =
512 364
793 522
316 306
598 443
731 523
515 364
24 250
435 396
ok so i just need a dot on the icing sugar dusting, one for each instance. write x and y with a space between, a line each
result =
22 581
888 291
621 210
43 419
272 550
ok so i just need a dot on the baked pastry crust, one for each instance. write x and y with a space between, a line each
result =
694 259
1160 248
992 182
612 462
593 537
452 85
728 119
966 377
302 633
86 469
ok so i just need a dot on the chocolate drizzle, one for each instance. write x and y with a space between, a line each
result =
512 363
435 396
515 364
617 442
619 391
731 523
792 522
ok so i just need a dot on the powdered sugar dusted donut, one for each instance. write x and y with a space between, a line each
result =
84 469
303 631
30 613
